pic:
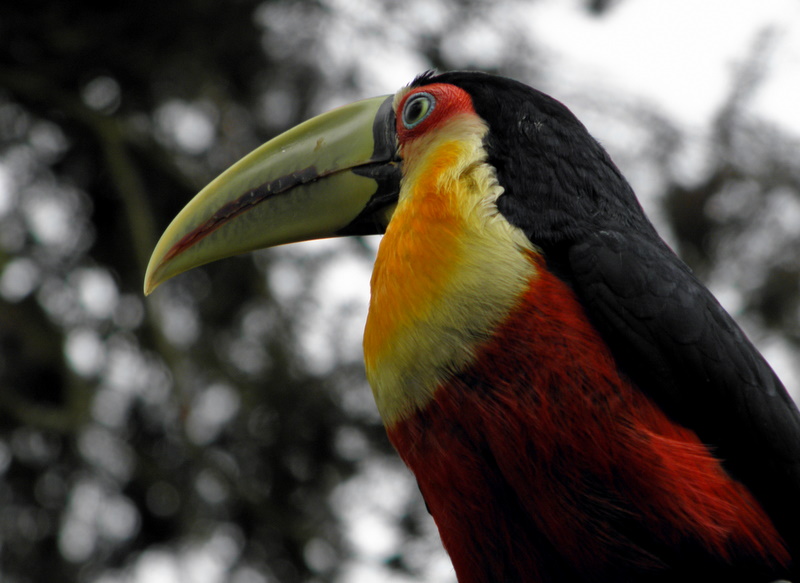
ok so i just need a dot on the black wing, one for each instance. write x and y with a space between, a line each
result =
677 344
666 330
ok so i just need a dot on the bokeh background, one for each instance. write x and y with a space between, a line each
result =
222 429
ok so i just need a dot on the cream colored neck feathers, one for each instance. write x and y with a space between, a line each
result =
448 270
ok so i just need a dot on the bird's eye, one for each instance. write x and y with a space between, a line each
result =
417 108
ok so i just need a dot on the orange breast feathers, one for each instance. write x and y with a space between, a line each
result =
448 270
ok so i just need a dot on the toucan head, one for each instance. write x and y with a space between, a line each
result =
340 173
467 175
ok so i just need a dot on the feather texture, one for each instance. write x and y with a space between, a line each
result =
541 463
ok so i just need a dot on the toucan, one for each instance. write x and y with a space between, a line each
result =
574 404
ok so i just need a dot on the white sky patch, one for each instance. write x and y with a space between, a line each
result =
158 567
19 278
780 95
191 126
85 351
7 185
208 561
783 360
94 514
211 561
384 56
370 505
343 297
680 54
47 138
77 537
285 281
379 79
211 409
49 218
102 93
97 292
331 327
179 321
126 368
785 212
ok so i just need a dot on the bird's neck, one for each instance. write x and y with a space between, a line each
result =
448 270
537 459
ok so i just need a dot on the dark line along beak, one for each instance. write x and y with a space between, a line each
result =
334 175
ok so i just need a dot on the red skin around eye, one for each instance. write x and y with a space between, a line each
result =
450 100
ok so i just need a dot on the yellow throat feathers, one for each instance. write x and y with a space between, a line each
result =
448 270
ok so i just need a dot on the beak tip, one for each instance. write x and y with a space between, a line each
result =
149 286
152 279
333 161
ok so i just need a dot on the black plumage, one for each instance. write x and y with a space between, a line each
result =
667 332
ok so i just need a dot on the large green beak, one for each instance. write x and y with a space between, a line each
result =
336 174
